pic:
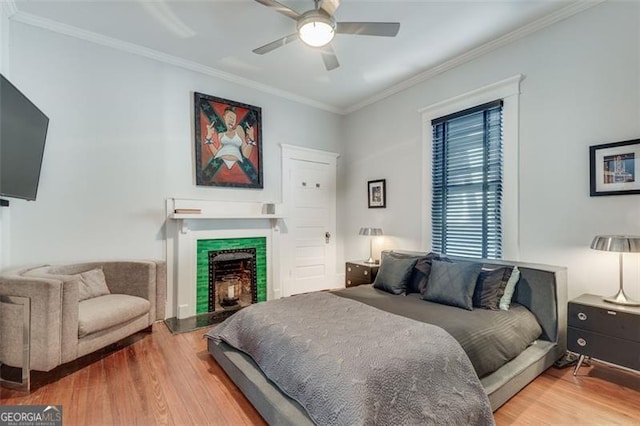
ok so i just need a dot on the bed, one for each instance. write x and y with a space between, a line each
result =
540 292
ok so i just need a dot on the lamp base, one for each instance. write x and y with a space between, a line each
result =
620 298
370 261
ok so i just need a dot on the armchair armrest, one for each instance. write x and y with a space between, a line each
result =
46 322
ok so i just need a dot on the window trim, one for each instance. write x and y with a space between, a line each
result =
509 91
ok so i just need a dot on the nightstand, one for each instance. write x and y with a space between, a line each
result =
604 331
360 273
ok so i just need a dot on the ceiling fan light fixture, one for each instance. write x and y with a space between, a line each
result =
316 29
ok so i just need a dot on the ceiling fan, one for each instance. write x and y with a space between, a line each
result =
316 28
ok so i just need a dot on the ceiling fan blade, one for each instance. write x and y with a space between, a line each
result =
280 8
275 44
384 29
329 57
330 6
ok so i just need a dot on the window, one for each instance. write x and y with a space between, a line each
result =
467 182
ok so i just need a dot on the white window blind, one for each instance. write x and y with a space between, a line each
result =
467 182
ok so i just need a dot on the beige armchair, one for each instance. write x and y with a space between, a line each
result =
61 326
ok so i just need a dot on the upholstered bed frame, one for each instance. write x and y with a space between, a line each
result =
542 289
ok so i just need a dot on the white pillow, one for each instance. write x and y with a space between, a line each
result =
505 300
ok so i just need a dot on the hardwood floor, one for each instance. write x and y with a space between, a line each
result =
159 378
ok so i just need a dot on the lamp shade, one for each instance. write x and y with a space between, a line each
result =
371 231
617 243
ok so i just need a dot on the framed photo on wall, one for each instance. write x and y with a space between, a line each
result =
615 168
228 143
377 193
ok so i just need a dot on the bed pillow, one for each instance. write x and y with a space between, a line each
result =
416 274
421 271
505 300
394 273
452 283
490 287
92 284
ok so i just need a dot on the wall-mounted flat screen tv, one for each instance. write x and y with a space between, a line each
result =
23 130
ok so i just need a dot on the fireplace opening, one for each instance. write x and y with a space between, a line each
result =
232 279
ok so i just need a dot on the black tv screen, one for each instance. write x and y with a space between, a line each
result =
23 130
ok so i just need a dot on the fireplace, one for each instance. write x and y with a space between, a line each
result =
231 274
232 279
196 227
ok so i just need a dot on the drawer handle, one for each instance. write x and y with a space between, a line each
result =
348 281
582 316
366 272
582 342
349 269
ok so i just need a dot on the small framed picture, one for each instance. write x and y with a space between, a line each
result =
377 193
615 168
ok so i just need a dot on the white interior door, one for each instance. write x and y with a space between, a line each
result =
309 195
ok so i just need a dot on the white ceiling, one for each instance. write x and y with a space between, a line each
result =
220 35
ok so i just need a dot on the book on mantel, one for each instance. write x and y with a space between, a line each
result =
187 211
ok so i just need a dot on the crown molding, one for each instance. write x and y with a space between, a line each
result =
557 16
69 30
9 8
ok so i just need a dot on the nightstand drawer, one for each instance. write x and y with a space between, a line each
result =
604 321
353 282
360 273
610 349
356 271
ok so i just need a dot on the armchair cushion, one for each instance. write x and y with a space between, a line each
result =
92 284
102 312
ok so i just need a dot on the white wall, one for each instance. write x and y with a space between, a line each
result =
4 65
581 88
120 142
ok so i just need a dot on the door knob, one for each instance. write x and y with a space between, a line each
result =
327 237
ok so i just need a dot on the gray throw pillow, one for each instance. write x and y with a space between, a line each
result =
490 287
394 273
452 283
92 284
420 276
422 270
420 273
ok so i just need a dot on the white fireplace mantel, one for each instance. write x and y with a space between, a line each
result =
217 219
223 209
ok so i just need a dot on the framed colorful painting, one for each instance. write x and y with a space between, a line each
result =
615 168
228 143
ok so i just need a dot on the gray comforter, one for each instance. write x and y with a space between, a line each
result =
348 363
489 338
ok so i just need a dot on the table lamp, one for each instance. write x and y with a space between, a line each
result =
621 244
370 232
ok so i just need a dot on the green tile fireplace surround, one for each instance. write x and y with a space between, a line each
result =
209 228
204 315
